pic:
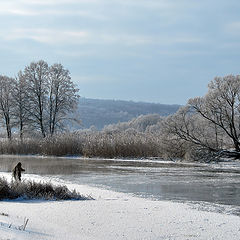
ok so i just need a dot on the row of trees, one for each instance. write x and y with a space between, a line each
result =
41 98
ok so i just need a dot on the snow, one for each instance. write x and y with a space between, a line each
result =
112 215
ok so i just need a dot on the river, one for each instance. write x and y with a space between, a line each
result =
216 183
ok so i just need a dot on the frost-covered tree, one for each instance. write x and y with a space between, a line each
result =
21 103
189 126
37 78
141 123
221 106
52 96
63 97
7 103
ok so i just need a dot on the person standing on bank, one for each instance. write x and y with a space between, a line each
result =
17 172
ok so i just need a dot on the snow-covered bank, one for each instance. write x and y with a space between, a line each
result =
111 216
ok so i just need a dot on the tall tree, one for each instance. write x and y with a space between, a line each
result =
7 103
221 106
63 97
37 79
51 94
21 103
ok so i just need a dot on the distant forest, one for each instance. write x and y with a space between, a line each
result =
98 113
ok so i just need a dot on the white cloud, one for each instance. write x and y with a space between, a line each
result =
36 7
50 12
43 8
13 8
145 3
49 36
56 2
79 37
53 36
90 34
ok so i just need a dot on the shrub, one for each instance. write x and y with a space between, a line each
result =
37 190
128 143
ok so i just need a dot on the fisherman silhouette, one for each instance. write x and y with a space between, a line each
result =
17 172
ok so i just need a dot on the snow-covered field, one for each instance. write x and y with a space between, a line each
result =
111 216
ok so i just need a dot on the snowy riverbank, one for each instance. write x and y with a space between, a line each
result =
111 215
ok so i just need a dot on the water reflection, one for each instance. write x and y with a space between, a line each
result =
215 183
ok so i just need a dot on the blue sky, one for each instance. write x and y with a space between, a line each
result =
163 51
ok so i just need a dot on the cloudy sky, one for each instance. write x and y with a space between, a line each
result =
163 51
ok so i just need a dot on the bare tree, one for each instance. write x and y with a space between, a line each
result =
221 106
42 98
63 97
51 94
7 103
190 127
37 79
21 103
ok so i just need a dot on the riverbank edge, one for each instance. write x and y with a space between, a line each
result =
112 215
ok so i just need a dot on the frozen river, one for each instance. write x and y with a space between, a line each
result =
160 180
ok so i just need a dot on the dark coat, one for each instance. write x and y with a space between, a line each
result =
17 172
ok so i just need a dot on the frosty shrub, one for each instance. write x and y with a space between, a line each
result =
140 124
59 145
16 146
35 190
128 143
141 137
63 144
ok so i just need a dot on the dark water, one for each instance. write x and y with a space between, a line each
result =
213 183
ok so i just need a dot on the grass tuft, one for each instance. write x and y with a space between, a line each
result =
37 190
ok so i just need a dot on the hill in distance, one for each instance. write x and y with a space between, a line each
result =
98 113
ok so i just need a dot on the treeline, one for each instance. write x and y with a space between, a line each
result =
39 100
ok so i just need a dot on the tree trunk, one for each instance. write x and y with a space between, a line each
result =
236 145
9 131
